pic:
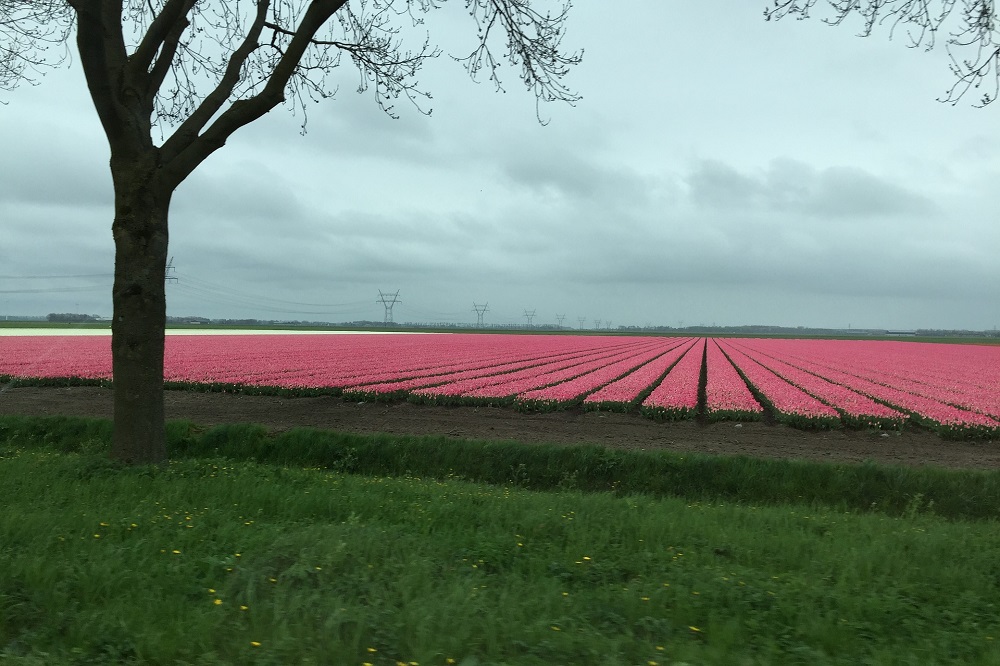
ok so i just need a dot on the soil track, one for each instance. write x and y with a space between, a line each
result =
911 447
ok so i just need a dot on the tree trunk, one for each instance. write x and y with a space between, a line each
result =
142 201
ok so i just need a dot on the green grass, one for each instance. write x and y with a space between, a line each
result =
216 561
955 494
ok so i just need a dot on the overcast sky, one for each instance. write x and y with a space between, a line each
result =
718 170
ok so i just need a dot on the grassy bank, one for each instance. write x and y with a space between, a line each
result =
955 494
216 561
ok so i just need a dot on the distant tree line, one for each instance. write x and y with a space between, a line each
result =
71 318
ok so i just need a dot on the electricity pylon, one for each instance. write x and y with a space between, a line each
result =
560 318
480 311
582 320
529 316
384 300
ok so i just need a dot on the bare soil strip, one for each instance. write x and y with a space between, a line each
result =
913 446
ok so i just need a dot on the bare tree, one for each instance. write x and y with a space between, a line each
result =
198 70
970 28
32 35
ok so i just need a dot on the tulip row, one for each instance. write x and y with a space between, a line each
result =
499 387
791 404
676 397
621 394
855 408
955 388
83 357
574 389
923 369
399 383
727 396
900 393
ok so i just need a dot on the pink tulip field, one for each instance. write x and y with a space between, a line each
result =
812 383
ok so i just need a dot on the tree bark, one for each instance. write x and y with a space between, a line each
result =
142 201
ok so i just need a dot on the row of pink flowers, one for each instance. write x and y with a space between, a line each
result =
510 384
789 401
932 410
87 357
573 389
952 385
407 380
857 407
726 394
965 376
677 395
353 360
391 380
627 389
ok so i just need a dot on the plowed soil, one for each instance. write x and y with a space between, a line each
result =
913 446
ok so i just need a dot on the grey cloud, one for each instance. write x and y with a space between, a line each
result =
241 191
793 187
574 177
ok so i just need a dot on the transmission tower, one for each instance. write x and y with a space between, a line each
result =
169 276
560 319
480 311
609 325
597 324
529 316
384 299
582 320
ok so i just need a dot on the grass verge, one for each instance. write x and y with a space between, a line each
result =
217 561
954 494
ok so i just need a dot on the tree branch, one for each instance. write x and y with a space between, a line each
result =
163 64
159 32
102 54
189 130
978 30
28 28
191 151
533 44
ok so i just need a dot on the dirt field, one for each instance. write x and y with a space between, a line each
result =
912 447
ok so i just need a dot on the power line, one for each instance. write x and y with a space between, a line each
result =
210 293
56 277
254 299
54 290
